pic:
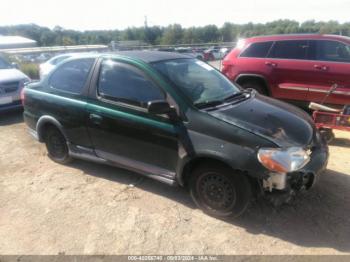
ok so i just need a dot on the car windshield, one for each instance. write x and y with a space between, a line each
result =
200 82
4 64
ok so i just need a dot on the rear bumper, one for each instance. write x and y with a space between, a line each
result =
13 106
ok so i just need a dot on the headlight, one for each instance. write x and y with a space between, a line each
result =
283 160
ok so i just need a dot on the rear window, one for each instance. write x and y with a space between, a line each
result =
257 50
332 51
71 76
291 49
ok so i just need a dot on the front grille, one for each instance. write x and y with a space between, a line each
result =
9 87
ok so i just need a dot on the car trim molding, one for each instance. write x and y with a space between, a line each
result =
298 88
149 170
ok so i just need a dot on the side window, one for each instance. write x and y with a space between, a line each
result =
291 49
71 76
259 50
127 84
332 51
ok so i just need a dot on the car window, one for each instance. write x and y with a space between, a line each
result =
4 64
71 76
291 49
257 50
125 83
58 59
332 51
197 80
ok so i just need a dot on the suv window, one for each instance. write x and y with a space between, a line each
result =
257 50
290 49
125 83
71 76
332 51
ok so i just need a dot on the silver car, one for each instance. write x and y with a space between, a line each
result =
12 82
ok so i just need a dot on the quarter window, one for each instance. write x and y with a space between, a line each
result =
259 50
125 83
332 51
71 76
291 49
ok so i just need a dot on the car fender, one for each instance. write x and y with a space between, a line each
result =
47 119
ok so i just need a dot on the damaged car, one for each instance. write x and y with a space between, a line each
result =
177 120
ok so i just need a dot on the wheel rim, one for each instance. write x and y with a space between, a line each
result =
56 146
216 192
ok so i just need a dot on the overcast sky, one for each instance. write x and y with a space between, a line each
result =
114 14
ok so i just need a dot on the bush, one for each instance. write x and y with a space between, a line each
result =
30 69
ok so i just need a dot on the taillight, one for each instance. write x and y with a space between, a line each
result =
23 96
226 67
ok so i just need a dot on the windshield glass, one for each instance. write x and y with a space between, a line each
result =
4 64
196 79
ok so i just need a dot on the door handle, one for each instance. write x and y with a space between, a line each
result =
96 119
268 63
321 67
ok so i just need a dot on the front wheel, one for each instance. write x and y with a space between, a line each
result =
56 146
220 191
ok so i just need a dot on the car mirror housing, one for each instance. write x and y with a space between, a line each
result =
160 107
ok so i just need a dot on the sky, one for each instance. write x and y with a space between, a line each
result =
109 14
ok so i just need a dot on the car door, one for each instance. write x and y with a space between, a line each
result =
292 73
122 130
331 61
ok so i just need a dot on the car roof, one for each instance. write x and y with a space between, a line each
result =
151 56
296 37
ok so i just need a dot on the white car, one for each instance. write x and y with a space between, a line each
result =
12 82
45 68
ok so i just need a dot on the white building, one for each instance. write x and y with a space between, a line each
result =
9 42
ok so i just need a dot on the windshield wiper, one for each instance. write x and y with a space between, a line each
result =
235 96
211 103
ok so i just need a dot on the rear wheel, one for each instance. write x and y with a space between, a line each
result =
56 146
254 84
219 191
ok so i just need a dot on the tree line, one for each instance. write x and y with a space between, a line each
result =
172 34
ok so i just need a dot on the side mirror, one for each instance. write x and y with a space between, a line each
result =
160 107
15 65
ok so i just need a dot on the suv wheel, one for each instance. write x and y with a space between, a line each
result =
56 146
254 84
219 191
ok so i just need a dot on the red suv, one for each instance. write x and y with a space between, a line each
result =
297 68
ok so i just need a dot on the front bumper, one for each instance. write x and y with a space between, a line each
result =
304 178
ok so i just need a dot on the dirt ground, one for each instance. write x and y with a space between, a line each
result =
86 208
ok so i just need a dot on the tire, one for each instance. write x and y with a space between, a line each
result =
56 146
219 191
254 84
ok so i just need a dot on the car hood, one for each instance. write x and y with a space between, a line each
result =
7 75
281 123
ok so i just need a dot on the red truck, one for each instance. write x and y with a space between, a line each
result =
297 68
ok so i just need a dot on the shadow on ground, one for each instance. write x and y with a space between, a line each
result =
11 117
341 142
317 218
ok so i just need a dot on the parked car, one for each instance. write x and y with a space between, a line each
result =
11 83
46 67
190 52
297 68
177 120
212 53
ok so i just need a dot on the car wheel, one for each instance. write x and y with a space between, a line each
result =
219 191
254 84
56 146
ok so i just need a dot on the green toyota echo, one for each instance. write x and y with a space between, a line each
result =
178 120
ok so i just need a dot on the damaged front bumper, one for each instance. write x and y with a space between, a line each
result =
282 187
